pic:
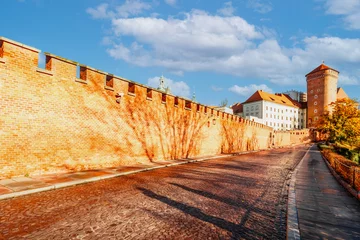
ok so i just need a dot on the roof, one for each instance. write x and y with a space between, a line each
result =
301 105
237 108
278 98
341 93
321 68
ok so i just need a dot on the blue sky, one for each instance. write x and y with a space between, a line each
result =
219 49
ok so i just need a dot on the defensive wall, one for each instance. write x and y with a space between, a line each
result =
69 116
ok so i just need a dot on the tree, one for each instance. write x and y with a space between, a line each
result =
342 125
223 103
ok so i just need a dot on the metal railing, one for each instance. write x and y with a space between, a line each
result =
351 174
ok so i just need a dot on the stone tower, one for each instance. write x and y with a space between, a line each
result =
321 91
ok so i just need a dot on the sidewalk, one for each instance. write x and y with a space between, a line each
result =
19 186
325 209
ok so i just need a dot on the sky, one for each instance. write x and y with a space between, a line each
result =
215 49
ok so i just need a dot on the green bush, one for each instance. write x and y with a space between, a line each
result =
348 152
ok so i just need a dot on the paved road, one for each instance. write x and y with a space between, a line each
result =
240 197
325 209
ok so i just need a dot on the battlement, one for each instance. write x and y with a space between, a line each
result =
16 55
67 116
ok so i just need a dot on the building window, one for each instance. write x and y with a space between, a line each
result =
316 118
198 107
270 108
187 104
163 98
149 93
131 88
315 110
109 81
257 107
316 96
315 103
252 108
311 91
176 101
267 108
266 115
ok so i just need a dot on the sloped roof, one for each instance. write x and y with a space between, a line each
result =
321 68
275 98
341 93
301 105
237 108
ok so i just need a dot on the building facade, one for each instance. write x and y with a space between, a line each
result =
321 91
278 111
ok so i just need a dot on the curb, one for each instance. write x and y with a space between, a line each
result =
292 222
347 186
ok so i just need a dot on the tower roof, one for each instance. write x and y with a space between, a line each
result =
321 68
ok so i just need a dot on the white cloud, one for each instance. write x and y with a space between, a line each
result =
345 79
246 91
216 88
129 8
100 12
170 2
260 6
349 9
179 88
199 41
227 10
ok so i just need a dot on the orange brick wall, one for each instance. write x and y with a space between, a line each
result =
53 122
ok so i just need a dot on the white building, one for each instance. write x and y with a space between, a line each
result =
278 111
224 109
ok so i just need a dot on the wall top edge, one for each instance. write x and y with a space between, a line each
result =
19 44
97 70
60 58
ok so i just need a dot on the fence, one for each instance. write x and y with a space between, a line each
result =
350 172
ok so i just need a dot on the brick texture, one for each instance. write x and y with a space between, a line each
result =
53 122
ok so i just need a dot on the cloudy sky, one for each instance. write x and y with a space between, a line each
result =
217 49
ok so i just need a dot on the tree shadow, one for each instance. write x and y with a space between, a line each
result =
237 230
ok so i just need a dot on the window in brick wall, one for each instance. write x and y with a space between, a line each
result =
176 102
131 88
82 73
109 81
149 93
187 104
198 107
212 112
163 97
205 110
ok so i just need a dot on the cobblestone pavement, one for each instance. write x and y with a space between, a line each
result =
240 197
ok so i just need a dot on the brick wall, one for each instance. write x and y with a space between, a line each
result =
52 121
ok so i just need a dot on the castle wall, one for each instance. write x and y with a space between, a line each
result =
52 121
